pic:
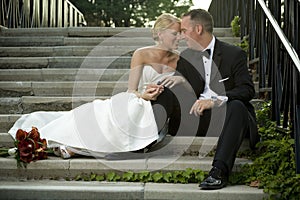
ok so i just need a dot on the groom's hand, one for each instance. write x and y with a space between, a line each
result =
201 105
152 91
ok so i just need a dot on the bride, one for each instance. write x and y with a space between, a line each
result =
126 121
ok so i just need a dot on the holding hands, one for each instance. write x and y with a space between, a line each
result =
152 92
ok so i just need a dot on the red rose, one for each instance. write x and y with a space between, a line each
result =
40 154
34 134
26 150
21 135
30 146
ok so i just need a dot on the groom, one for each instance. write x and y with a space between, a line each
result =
218 101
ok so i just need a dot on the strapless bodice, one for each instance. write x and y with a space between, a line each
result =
150 75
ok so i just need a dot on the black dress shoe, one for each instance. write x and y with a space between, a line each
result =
215 180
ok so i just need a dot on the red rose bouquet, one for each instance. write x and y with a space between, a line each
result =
29 147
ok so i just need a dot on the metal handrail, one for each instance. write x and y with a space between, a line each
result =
290 49
80 15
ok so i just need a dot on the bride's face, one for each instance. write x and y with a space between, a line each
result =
170 37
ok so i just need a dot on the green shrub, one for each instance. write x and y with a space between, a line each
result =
273 168
186 176
235 26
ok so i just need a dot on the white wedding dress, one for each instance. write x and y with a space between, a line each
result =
119 124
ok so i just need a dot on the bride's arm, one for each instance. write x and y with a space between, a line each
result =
135 73
136 70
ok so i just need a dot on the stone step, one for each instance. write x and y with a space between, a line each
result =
102 62
187 144
78 41
35 178
92 31
46 189
174 153
82 31
83 41
28 104
194 143
53 51
7 121
56 167
63 74
6 140
62 88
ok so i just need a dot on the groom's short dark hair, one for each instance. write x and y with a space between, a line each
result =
202 17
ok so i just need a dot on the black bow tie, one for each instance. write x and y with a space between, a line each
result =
205 53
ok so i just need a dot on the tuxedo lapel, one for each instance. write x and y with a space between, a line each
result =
196 60
216 63
198 63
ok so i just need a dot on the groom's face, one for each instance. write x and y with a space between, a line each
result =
189 32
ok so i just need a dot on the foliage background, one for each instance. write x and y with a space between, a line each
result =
127 13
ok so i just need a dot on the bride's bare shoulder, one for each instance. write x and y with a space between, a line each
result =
145 50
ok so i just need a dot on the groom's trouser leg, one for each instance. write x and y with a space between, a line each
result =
182 123
163 107
234 130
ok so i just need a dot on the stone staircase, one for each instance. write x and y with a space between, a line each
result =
57 69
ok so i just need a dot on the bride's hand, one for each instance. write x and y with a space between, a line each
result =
171 81
152 92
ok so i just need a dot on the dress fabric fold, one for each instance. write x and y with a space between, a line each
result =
121 123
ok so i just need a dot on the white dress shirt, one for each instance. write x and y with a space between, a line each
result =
209 93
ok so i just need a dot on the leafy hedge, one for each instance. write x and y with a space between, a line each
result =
187 176
274 166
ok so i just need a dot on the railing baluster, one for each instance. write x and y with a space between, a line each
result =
59 13
277 55
71 23
3 9
39 13
75 18
45 13
35 20
279 66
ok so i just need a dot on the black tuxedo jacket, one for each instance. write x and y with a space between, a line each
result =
229 77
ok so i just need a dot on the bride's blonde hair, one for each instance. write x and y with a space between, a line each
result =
163 22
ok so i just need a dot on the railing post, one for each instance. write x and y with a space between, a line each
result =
66 13
25 18
3 14
59 13
251 29
297 136
35 20
52 13
76 15
45 20
71 16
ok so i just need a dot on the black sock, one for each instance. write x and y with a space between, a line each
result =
222 166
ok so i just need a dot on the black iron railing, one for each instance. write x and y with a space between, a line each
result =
280 65
273 33
39 13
